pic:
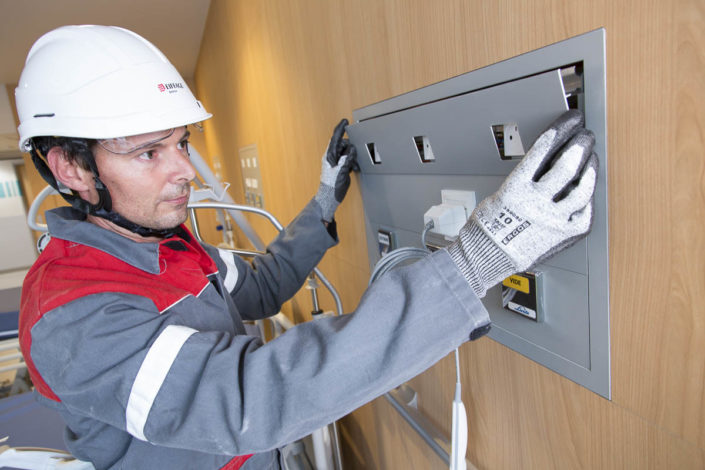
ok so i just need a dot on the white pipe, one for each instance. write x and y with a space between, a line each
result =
34 209
17 366
209 178
283 321
322 449
10 357
13 343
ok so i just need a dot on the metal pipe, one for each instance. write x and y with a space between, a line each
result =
313 287
204 170
331 289
194 223
10 344
255 210
336 449
283 321
19 365
228 206
435 440
338 303
428 432
248 253
11 357
34 208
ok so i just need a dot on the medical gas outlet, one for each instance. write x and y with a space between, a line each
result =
522 294
450 216
470 132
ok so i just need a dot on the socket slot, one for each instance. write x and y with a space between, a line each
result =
373 153
424 149
508 141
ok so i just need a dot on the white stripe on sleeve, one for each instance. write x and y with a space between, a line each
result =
151 375
231 274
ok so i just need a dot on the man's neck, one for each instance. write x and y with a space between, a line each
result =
108 225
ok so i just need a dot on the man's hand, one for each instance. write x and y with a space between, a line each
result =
338 161
542 207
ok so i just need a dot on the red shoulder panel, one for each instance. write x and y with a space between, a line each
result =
66 271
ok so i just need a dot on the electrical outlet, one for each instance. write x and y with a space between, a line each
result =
460 198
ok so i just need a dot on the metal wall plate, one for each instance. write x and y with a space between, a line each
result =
446 136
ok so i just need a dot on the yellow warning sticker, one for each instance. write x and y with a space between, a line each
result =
517 282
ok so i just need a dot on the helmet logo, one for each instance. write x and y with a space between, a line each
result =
170 87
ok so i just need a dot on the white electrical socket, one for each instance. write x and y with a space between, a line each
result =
461 198
512 141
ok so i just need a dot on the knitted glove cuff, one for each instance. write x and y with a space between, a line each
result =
480 261
325 197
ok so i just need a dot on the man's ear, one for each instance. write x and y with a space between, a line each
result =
68 171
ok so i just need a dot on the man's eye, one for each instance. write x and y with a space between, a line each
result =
148 155
182 145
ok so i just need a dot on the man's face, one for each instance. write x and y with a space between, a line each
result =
149 186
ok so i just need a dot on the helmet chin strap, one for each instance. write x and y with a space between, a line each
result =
103 208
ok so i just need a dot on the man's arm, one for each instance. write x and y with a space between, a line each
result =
260 288
173 380
258 291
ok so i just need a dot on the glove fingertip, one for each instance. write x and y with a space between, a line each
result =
570 120
336 142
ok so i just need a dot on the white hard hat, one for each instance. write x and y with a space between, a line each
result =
100 82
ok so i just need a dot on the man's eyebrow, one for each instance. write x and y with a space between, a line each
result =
160 143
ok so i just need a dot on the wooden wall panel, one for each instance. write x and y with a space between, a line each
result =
280 74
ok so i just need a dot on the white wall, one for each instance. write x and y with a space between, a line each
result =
16 245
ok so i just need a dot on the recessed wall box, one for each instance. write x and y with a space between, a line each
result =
522 293
457 117
251 176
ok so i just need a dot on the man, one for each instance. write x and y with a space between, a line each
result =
133 330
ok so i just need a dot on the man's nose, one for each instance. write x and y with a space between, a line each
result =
180 167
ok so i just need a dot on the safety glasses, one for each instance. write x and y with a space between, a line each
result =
126 145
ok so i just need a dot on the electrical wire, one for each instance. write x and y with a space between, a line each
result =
459 427
406 253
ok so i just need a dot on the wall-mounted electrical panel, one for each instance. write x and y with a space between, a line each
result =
467 133
251 176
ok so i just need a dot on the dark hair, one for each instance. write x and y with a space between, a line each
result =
74 148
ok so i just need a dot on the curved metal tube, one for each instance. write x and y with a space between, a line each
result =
34 209
255 210
205 171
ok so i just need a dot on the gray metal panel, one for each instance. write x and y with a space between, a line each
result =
399 201
457 115
460 129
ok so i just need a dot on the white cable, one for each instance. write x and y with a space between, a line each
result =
459 427
406 253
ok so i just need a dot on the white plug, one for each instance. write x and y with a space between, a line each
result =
447 219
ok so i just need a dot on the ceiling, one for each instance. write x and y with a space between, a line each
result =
174 26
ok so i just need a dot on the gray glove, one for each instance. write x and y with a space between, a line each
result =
542 207
338 161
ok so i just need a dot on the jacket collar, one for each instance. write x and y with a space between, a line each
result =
66 223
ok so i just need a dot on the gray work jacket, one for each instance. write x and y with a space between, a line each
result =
141 346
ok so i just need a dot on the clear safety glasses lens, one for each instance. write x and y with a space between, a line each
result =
125 145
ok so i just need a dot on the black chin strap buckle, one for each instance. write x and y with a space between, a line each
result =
104 199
